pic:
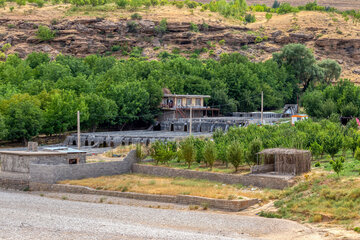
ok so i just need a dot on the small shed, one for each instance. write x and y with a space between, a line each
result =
283 161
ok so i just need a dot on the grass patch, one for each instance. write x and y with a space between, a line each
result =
168 186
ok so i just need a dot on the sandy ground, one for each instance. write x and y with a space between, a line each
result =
53 216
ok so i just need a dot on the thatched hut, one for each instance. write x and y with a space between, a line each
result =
283 161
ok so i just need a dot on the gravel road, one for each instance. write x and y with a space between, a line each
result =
30 216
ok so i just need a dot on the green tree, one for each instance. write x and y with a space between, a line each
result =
162 152
23 117
187 151
254 147
3 129
210 153
332 70
101 110
316 150
44 33
357 154
60 110
235 154
300 61
338 165
332 143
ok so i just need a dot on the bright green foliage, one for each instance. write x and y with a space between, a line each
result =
136 16
2 3
135 4
60 109
194 27
122 3
6 47
337 165
162 27
187 151
332 143
316 149
332 70
101 110
254 147
199 148
249 18
300 61
40 3
357 153
235 154
286 8
268 16
44 33
210 153
88 2
22 115
162 152
342 99
21 2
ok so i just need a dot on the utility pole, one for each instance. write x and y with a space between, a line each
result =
190 121
262 107
78 129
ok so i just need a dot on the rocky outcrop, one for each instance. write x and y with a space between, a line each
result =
82 37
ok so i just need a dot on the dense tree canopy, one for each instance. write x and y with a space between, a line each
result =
44 94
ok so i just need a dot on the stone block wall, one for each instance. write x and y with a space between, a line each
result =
258 180
228 205
43 173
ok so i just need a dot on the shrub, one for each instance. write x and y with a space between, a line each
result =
11 10
132 26
44 33
162 27
191 4
136 16
2 3
179 4
2 56
162 152
268 16
222 42
6 47
154 2
357 154
139 152
21 2
244 47
210 153
317 164
115 48
136 52
286 8
135 4
235 154
316 149
122 3
194 27
255 146
40 3
338 165
249 18
187 151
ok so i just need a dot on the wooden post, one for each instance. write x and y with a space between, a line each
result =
78 129
262 107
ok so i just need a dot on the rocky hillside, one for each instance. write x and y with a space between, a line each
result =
81 33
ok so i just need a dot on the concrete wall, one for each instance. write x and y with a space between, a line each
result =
43 173
258 180
20 161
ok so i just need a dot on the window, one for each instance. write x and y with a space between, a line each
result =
179 102
188 102
73 161
198 102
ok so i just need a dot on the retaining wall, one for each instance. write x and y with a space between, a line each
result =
228 205
43 173
258 180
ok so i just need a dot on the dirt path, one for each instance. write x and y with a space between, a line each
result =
30 216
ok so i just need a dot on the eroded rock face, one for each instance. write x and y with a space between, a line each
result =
82 37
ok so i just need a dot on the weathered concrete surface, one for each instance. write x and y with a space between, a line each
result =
117 138
44 173
44 218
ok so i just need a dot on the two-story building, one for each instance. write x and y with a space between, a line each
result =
176 106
